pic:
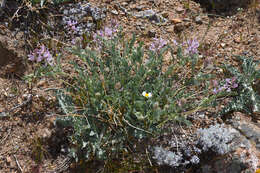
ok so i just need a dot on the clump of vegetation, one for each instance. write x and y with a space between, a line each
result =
246 98
118 94
122 94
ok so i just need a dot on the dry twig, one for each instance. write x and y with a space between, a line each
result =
18 164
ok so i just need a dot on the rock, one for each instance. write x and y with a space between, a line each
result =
82 10
44 133
165 14
145 14
170 29
151 33
179 28
115 12
236 153
124 3
139 7
219 148
224 5
175 20
179 9
41 83
11 57
198 20
139 23
237 40
186 19
151 15
222 45
250 130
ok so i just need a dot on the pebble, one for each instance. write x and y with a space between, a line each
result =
175 20
179 10
114 12
76 12
124 3
151 33
179 28
198 20
186 19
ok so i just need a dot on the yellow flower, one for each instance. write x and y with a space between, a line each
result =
147 95
257 171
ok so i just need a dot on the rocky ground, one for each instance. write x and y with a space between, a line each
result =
28 140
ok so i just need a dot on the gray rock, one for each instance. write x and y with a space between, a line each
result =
115 12
151 15
76 12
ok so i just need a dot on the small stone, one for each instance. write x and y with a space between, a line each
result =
19 35
41 83
186 19
175 20
237 40
198 20
179 10
139 8
165 14
124 3
179 28
8 160
151 33
115 12
139 23
133 6
222 45
170 29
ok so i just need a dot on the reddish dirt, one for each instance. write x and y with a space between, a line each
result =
27 141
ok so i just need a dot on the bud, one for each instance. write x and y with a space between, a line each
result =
155 105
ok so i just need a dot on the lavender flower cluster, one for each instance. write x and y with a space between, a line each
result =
72 27
108 31
41 54
230 83
106 34
157 44
192 46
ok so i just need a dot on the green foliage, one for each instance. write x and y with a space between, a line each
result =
104 103
247 100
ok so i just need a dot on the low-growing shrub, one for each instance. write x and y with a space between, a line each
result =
217 138
120 94
246 98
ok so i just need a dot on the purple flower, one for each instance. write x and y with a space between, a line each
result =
41 50
42 54
71 26
39 58
176 43
192 47
108 32
114 25
31 57
157 44
229 84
